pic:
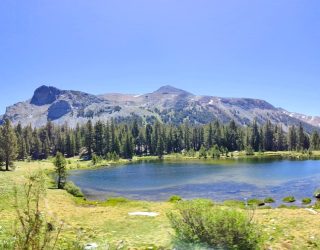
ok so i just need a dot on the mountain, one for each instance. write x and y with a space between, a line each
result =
167 104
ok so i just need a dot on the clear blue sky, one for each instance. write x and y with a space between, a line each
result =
262 49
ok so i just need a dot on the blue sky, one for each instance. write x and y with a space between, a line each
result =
262 49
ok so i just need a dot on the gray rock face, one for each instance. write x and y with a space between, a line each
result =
167 104
58 109
45 95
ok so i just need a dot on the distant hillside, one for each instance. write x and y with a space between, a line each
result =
167 104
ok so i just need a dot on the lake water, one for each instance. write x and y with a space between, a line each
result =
219 180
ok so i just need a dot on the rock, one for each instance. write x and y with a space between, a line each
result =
58 109
317 194
148 214
167 104
45 95
91 246
311 211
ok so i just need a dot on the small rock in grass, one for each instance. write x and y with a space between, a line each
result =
91 246
148 214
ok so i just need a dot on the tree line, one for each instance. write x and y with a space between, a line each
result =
111 139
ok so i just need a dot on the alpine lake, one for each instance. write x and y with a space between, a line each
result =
219 180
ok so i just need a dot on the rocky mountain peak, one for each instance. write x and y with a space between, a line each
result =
167 104
45 95
168 89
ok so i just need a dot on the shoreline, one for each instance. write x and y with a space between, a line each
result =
76 163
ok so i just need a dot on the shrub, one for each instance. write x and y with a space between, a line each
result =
96 159
317 205
306 201
71 188
256 202
201 222
215 152
269 200
175 198
191 153
112 156
203 152
33 230
249 150
289 199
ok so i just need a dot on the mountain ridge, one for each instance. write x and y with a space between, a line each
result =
167 104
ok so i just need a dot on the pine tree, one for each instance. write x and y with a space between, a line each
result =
114 147
22 152
127 150
301 140
89 138
292 139
160 146
148 135
99 138
35 145
78 142
45 143
70 144
315 140
268 136
280 143
255 136
61 171
186 136
209 136
8 144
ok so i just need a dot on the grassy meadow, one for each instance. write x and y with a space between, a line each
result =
108 222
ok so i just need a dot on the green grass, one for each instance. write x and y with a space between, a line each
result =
108 221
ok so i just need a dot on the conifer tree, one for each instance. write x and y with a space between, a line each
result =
89 138
99 138
292 139
60 169
8 144
315 140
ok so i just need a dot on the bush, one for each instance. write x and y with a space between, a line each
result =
256 202
269 200
96 159
71 188
112 156
201 222
203 152
33 230
249 150
215 152
289 199
190 153
175 198
306 201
